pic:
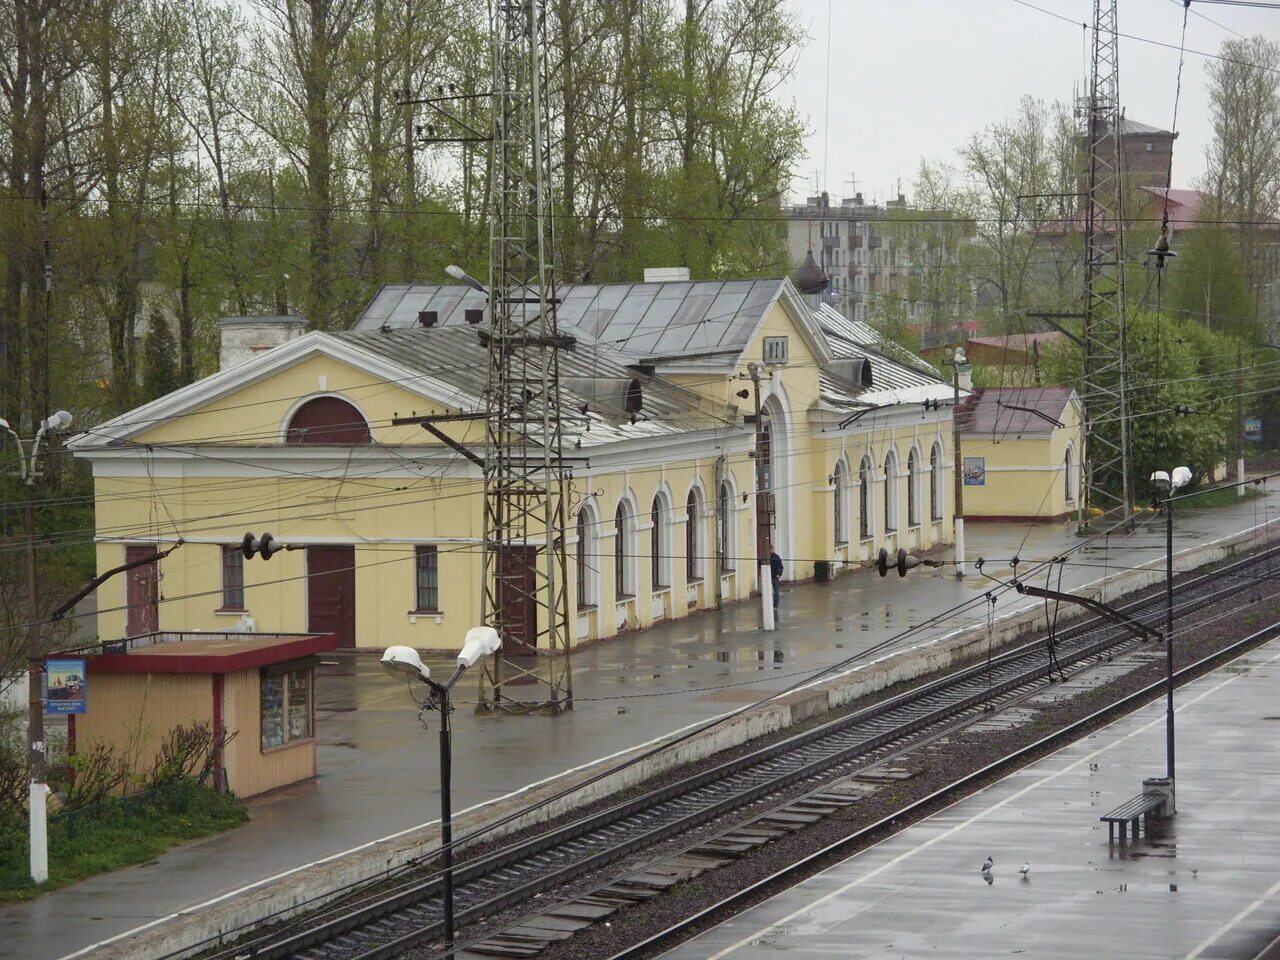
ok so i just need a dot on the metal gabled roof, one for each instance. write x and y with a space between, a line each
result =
851 338
670 319
454 355
897 374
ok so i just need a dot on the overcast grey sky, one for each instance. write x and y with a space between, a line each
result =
913 78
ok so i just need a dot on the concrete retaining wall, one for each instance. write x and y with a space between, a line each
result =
193 929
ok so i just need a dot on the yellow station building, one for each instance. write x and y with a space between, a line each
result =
297 435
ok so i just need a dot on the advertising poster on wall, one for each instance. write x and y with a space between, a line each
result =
65 689
975 471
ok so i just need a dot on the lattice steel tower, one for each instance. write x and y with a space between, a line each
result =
525 477
1107 481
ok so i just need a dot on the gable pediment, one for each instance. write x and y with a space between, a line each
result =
251 403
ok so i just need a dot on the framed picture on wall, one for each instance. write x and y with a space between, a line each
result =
975 471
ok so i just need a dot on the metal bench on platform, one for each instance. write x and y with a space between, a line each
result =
1140 808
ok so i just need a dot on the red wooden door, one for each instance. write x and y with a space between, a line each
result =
764 500
142 593
518 599
331 592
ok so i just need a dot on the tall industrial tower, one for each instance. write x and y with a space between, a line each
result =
525 476
1107 481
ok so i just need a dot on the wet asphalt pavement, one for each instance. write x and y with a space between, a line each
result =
1203 889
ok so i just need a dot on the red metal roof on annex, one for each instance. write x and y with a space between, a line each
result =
1017 341
987 411
209 653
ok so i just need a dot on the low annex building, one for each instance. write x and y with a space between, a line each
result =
301 440
256 689
1021 449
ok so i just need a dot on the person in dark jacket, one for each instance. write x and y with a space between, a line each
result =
775 574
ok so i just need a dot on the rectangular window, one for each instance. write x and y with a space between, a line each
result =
232 578
428 578
655 548
775 349
286 707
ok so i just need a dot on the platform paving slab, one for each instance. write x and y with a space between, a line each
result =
377 791
1206 888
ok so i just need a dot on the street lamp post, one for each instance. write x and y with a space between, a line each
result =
38 791
404 661
1168 485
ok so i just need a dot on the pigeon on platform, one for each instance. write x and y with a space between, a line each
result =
987 864
1025 870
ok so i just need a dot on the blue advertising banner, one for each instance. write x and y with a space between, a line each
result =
65 689
1253 429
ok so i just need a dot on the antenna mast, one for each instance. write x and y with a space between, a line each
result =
525 593
1107 461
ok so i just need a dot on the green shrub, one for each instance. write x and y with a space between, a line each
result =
116 833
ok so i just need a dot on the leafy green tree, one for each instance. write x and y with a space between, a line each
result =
1243 157
1173 361
159 359
1207 281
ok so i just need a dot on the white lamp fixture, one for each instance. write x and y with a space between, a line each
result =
405 661
1166 484
479 642
59 421
455 271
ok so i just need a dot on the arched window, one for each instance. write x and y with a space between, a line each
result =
691 565
890 492
327 420
913 488
1068 477
839 498
935 482
621 553
586 558
724 528
655 544
866 476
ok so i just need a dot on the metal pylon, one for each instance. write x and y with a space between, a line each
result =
1107 474
525 593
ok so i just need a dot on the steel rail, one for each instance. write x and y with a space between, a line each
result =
408 915
954 792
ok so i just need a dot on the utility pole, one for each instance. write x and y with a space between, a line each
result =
39 791
1107 458
722 561
1239 419
957 361
764 507
37 822
525 591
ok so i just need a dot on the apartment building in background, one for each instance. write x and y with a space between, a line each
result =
878 261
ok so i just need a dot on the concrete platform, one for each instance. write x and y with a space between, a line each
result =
376 798
1208 887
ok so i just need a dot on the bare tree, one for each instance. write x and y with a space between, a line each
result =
307 78
1243 159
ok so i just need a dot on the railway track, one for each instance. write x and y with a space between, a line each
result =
847 846
410 913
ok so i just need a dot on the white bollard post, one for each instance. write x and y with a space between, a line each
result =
766 596
39 828
959 547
